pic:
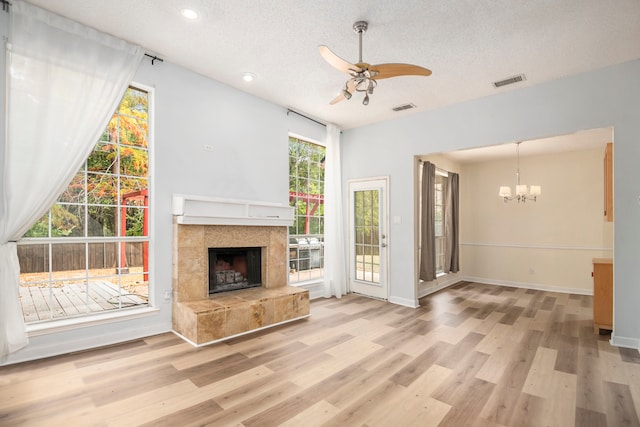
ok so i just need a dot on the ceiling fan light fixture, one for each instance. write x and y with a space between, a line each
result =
371 86
365 101
346 94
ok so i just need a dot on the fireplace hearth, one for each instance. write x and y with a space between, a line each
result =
229 244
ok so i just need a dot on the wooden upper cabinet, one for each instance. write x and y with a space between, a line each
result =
608 182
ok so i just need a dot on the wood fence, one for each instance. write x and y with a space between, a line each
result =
71 256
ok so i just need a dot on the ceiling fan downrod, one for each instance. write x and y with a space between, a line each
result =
360 28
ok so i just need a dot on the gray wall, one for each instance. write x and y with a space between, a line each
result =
606 97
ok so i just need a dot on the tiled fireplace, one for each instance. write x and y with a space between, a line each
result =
201 224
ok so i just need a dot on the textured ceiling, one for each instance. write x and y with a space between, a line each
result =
467 44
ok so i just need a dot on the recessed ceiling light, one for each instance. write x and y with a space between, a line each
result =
248 77
189 14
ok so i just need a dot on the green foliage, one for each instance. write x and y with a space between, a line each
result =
117 166
306 179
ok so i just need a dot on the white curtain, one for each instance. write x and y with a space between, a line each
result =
335 266
65 81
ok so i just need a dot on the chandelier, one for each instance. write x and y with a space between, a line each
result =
522 192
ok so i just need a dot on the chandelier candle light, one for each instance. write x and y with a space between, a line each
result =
522 192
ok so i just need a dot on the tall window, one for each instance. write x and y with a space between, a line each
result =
306 195
89 253
439 219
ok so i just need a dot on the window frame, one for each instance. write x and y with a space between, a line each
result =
439 196
56 324
311 243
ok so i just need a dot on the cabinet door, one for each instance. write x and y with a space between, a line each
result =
602 296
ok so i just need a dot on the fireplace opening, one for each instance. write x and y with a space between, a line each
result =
232 269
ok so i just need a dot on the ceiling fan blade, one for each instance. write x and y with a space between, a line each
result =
337 62
351 87
386 71
337 99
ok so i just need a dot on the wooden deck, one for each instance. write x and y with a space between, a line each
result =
44 303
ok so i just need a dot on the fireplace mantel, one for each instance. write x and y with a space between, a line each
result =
201 223
200 210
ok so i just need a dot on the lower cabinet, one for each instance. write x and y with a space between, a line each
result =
602 294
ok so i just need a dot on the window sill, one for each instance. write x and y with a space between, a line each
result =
314 281
61 325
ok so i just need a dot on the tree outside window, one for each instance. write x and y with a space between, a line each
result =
89 253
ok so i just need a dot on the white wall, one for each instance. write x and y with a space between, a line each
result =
602 98
548 244
249 161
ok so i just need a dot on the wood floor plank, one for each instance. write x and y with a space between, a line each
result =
586 417
452 357
455 389
529 411
469 403
619 399
370 407
503 401
349 393
420 364
541 370
315 415
473 355
292 406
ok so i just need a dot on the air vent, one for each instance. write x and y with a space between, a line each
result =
404 107
510 80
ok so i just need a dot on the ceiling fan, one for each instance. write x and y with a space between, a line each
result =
364 77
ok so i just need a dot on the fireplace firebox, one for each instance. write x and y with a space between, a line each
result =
232 269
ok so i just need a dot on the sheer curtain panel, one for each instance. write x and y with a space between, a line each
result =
335 267
65 80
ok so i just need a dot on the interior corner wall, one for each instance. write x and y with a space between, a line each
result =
609 97
4 32
548 244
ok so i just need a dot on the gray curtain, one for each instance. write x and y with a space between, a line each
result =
427 213
451 207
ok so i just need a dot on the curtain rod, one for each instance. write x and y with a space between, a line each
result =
289 110
153 57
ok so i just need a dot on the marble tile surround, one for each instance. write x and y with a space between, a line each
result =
202 318
191 255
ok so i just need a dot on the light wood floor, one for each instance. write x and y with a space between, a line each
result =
472 355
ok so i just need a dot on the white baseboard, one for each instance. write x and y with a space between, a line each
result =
536 286
412 303
316 289
441 285
624 342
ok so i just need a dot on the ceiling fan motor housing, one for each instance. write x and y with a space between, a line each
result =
360 27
